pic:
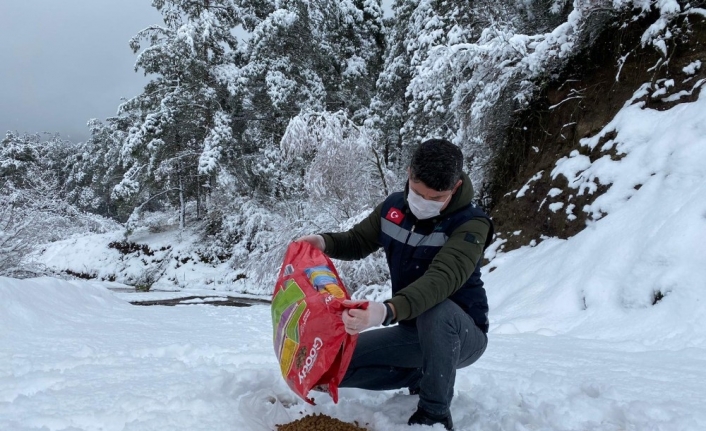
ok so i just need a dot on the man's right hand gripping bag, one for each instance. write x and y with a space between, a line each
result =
312 346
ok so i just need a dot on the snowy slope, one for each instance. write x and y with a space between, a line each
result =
602 283
76 357
172 261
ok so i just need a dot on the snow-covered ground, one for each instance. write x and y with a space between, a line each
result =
603 331
75 356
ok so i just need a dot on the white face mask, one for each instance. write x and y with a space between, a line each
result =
424 209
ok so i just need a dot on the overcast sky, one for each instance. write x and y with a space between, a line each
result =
63 62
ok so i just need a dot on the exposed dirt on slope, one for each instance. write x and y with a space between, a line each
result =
578 104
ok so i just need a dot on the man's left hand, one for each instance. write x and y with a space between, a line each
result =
356 320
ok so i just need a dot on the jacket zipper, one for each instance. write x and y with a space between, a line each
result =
406 241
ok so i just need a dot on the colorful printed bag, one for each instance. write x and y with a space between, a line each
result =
310 342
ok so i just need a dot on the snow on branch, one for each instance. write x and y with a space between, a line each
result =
343 168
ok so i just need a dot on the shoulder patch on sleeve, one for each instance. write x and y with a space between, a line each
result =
471 238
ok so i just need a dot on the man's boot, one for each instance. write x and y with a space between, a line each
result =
422 417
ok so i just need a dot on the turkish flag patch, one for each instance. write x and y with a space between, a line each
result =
395 216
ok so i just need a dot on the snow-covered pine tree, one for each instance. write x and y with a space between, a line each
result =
184 119
436 23
473 66
29 162
413 100
431 79
95 169
358 43
304 56
18 158
389 106
33 173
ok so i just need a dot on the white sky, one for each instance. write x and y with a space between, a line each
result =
65 62
62 63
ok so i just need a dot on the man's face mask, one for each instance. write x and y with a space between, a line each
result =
422 208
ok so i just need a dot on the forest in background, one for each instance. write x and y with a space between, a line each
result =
307 123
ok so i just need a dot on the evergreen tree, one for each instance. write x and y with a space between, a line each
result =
389 106
18 158
33 174
304 56
453 70
95 169
437 29
183 118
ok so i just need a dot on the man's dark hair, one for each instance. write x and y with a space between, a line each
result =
437 163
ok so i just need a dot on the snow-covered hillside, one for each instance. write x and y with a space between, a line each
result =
638 271
165 261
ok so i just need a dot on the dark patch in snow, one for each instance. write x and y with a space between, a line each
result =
216 300
658 296
81 275
126 247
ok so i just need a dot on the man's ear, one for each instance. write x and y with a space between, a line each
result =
458 185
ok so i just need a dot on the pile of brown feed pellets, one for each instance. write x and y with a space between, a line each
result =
319 422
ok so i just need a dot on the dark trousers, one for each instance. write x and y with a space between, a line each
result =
424 357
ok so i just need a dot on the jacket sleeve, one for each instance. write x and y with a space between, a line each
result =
449 270
356 243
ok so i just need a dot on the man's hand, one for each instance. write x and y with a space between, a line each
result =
356 320
315 240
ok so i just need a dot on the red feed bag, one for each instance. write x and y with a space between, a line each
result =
310 342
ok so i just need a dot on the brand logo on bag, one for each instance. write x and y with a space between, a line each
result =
311 359
395 216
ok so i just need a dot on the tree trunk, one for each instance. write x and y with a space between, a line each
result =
182 201
207 193
198 197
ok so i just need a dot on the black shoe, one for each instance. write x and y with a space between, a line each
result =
422 417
